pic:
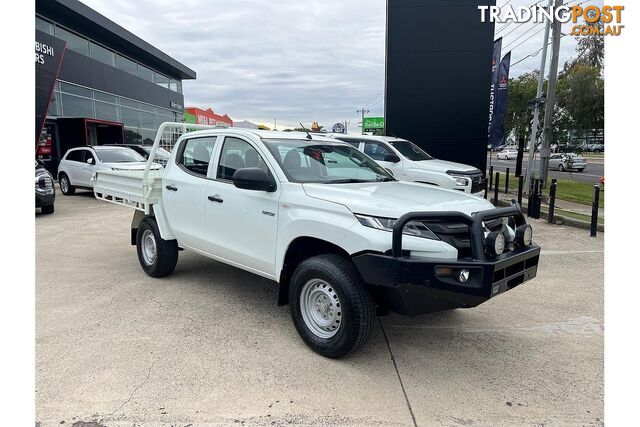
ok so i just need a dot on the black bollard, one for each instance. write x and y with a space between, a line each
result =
506 183
530 198
594 210
552 200
520 185
536 199
495 189
486 188
490 177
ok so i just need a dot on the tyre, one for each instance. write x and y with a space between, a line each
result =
332 310
596 151
65 185
561 167
47 209
158 257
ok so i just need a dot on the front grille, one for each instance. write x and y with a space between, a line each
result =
477 183
457 234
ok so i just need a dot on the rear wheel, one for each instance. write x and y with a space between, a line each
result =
65 185
158 257
332 310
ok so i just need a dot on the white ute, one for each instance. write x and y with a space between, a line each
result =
341 237
408 162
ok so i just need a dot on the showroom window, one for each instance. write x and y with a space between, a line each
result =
44 26
77 106
125 64
161 80
145 73
107 111
102 54
74 41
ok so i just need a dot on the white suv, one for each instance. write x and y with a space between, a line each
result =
408 162
78 165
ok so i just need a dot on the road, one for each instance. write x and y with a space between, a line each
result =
209 346
591 175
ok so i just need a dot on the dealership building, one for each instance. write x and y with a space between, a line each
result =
97 83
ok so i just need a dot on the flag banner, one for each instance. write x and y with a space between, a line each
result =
496 136
497 52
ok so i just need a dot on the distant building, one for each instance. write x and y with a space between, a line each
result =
245 124
206 117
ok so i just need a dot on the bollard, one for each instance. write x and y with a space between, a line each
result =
536 199
486 188
594 210
506 183
530 198
495 189
552 200
490 177
520 184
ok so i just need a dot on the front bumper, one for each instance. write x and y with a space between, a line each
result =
415 285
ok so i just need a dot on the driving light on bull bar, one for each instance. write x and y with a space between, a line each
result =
524 234
495 243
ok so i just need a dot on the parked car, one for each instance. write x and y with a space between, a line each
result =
567 162
162 155
45 190
594 148
408 162
338 233
78 165
507 154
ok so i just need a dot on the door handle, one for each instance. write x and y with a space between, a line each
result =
215 198
171 188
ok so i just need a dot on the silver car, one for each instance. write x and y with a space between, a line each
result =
567 162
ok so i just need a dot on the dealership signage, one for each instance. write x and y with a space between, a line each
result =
373 123
48 58
338 128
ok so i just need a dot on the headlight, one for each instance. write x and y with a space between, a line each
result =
461 181
413 228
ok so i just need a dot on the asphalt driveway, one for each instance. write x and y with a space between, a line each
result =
209 346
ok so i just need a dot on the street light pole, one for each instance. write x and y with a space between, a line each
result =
551 99
363 112
536 111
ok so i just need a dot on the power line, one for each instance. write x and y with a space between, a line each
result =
525 40
522 35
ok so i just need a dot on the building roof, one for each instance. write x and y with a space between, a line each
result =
81 18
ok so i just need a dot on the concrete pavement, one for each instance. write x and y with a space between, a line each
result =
209 346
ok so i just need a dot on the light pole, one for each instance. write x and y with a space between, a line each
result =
363 112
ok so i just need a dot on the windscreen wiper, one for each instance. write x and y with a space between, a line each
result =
345 181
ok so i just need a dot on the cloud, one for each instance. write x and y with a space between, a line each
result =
291 60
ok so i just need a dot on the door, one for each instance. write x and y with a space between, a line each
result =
554 161
85 169
377 151
184 189
241 224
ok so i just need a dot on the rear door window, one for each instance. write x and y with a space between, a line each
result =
75 155
195 155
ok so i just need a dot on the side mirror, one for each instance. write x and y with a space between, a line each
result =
391 158
254 179
90 161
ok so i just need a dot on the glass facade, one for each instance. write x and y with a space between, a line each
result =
140 120
103 54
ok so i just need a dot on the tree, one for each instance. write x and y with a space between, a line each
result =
519 115
591 48
581 94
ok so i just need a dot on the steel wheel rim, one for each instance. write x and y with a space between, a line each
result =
64 184
321 308
148 249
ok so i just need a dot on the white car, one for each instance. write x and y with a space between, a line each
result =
337 233
78 165
507 154
408 162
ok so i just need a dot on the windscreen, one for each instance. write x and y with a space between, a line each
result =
118 155
309 161
410 150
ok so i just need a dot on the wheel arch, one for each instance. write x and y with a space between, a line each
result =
299 249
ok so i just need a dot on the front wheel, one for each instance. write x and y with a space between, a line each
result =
561 167
158 257
332 310
65 185
47 209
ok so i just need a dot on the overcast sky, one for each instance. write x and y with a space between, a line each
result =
288 59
